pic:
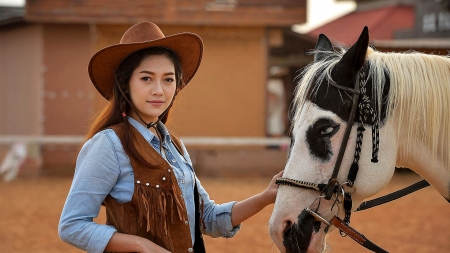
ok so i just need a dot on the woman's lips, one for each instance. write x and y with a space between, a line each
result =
156 102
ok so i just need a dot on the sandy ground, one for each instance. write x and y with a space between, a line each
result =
30 209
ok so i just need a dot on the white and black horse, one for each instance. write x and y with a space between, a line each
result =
395 107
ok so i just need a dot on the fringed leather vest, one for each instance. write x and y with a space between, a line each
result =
156 211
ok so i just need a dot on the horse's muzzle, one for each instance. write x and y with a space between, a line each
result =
298 236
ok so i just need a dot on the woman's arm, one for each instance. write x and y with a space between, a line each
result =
132 243
247 208
99 168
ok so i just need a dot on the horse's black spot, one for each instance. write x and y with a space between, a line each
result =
290 147
317 226
298 236
340 102
318 138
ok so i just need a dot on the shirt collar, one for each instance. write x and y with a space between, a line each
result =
149 135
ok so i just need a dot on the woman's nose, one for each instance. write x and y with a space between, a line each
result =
157 89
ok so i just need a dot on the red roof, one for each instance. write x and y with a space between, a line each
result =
382 23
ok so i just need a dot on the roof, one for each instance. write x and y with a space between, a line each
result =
382 22
274 13
11 15
431 43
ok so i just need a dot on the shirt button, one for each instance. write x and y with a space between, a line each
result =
168 170
186 222
190 249
164 178
182 181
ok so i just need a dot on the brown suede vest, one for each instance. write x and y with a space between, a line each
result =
156 211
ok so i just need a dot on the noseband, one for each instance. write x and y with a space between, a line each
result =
361 106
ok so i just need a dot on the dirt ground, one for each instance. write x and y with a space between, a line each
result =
30 209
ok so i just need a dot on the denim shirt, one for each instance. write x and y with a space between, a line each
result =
103 168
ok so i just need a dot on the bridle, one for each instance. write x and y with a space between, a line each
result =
333 190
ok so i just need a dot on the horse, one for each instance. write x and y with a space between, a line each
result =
404 98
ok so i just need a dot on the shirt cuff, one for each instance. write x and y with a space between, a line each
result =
223 218
100 238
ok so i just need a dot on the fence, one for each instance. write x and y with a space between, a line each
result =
211 156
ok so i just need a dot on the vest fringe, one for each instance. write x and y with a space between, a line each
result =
179 205
163 202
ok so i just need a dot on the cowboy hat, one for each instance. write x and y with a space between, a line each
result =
188 47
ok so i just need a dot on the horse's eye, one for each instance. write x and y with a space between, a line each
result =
324 128
326 131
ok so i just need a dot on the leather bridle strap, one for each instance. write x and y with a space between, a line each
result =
365 205
347 230
392 196
355 235
332 183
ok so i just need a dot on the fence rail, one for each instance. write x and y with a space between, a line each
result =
195 141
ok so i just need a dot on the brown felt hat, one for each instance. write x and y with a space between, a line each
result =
188 47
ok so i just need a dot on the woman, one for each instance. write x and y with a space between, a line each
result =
134 166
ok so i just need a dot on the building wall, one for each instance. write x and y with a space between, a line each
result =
20 89
68 92
227 95
225 98
21 79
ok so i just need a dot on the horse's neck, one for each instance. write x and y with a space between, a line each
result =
420 160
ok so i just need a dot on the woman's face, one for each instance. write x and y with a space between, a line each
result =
152 87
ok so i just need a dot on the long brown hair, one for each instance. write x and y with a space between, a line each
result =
112 113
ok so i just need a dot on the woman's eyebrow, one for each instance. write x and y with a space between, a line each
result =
152 73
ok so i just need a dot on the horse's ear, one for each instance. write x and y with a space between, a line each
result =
356 55
323 44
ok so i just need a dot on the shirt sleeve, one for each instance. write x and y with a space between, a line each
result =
216 217
97 171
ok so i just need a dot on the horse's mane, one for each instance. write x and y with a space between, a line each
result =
418 97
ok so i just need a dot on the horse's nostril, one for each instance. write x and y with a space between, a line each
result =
287 225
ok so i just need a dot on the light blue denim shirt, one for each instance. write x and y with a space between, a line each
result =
103 168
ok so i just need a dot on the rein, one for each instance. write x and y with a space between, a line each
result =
361 105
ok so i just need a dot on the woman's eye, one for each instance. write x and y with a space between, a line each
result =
170 80
146 79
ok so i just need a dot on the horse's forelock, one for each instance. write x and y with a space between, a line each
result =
311 77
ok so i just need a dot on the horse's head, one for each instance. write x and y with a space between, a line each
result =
323 105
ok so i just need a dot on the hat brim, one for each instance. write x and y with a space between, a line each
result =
188 47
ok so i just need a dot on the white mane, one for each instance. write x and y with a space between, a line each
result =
418 97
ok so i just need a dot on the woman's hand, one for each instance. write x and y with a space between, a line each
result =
270 193
247 208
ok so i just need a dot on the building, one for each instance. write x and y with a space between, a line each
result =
383 18
45 86
395 25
